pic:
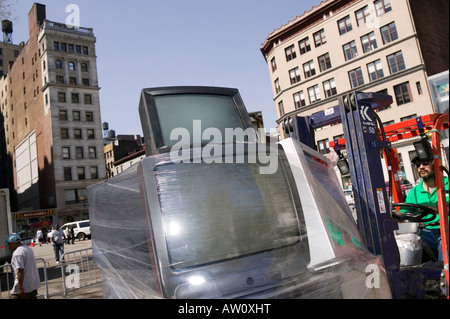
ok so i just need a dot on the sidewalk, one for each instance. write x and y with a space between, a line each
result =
54 275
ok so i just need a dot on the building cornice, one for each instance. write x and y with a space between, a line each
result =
303 22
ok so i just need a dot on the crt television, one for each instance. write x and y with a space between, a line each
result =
187 229
165 109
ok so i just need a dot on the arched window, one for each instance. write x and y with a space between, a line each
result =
58 64
84 67
71 66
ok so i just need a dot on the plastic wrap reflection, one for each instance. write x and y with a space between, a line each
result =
224 230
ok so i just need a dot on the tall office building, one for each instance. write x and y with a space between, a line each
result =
340 46
52 125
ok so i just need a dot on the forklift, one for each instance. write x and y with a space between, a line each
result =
377 214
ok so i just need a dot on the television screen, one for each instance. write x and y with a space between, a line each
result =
191 115
227 211
208 111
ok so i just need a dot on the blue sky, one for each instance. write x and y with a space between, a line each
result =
143 44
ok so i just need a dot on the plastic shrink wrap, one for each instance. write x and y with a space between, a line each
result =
216 228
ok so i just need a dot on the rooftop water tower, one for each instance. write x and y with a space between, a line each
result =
7 29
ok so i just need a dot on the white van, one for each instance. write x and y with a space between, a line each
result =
81 229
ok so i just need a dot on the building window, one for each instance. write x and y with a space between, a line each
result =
64 47
59 79
92 152
409 117
356 77
375 70
329 87
281 108
362 15
56 46
314 94
290 53
90 134
419 87
63 115
73 196
66 152
309 69
87 99
388 123
94 172
75 98
299 99
323 146
382 7
277 86
77 134
304 45
324 62
76 116
273 62
350 50
78 49
294 75
80 173
73 80
369 42
71 48
71 66
389 33
396 62
85 81
58 64
319 38
402 93
344 25
67 173
61 97
64 133
79 153
89 117
84 67
85 50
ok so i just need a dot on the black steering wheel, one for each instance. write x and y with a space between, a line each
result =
419 217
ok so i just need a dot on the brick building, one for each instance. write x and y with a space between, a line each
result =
51 113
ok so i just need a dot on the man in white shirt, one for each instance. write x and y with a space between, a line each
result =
39 236
57 238
26 275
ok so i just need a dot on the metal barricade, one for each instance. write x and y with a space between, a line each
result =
80 269
6 279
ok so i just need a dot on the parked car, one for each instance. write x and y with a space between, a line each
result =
82 229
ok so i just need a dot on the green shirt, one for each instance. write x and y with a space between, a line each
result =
418 195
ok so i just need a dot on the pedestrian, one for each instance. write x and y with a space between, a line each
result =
72 234
67 233
57 237
39 236
25 271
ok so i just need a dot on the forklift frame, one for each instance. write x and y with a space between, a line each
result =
375 219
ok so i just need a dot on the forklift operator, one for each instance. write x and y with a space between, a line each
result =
425 194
